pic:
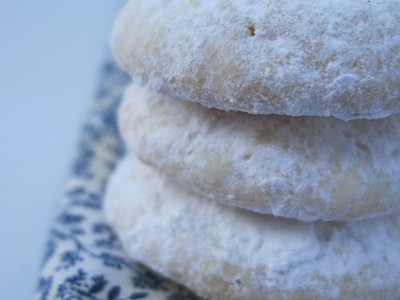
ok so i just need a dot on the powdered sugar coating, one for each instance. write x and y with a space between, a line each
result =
308 168
227 254
325 58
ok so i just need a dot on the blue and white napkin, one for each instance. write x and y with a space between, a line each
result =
84 259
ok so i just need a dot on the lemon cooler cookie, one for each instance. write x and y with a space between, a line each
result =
308 168
227 253
319 58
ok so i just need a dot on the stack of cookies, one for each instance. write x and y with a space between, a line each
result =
263 146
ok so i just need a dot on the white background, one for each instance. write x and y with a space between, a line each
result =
50 56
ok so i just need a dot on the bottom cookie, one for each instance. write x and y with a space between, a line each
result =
227 253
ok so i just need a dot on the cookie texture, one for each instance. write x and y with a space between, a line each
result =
321 58
308 168
227 253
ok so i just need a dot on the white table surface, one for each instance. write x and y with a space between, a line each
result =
50 56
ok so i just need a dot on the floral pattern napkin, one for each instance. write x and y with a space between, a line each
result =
83 257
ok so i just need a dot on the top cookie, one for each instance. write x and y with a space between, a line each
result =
323 58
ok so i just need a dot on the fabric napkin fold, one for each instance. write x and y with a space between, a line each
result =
83 257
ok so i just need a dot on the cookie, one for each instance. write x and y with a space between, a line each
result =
227 253
318 58
308 168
